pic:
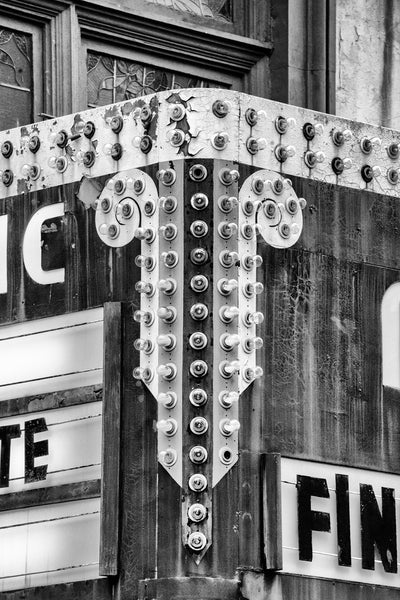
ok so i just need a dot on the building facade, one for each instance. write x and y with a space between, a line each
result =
199 299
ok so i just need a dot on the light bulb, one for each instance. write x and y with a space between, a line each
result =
251 344
80 126
226 230
168 457
142 345
143 374
167 399
144 287
167 371
228 341
228 426
253 289
166 341
167 426
226 286
143 316
228 368
250 261
228 313
255 318
167 286
252 373
227 399
167 313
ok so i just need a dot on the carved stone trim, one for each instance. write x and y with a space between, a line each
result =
227 53
34 10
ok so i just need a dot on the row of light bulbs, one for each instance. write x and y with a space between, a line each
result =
176 137
33 171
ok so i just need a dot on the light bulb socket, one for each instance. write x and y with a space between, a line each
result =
198 482
198 397
198 455
198 340
34 144
198 173
270 209
198 425
116 151
198 368
168 204
220 140
7 149
221 108
199 283
199 201
227 203
199 311
168 457
199 256
228 176
197 541
89 130
226 455
167 176
116 123
197 512
170 259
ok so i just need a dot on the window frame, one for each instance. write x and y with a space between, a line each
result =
37 71
204 52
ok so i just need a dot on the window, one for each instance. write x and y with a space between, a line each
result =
111 79
140 51
20 77
15 78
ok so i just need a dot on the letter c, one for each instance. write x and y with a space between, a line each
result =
32 250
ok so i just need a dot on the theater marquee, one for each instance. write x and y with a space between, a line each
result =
233 306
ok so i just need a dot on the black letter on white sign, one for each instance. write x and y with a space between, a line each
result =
343 520
35 449
310 520
7 433
378 528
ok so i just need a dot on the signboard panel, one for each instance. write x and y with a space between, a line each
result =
340 523
73 443
51 354
50 437
43 545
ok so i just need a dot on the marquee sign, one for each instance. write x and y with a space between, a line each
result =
170 201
